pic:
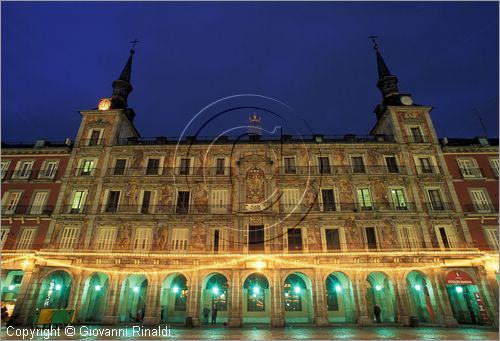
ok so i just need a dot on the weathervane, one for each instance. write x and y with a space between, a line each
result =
134 42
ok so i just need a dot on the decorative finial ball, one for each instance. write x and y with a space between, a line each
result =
132 51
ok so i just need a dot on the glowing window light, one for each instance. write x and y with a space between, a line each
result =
175 289
98 288
418 287
378 287
135 288
459 290
256 290
338 288
286 294
296 289
58 286
11 287
215 290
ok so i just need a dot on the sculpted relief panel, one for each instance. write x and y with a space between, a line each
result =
255 185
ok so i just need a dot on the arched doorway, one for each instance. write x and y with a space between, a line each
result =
421 296
173 299
133 299
339 298
380 292
466 301
256 299
11 284
298 299
215 292
94 298
55 290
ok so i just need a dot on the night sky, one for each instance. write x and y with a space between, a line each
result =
59 58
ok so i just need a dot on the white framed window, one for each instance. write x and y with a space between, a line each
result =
469 168
494 166
69 237
49 169
415 134
481 200
364 198
220 166
290 199
147 201
398 198
39 201
371 238
357 164
328 199
185 165
407 237
120 166
426 164
23 169
142 240
333 239
435 199
182 202
86 167
10 201
94 137
324 165
179 239
295 238
491 234
4 234
218 200
289 165
392 163
78 201
26 238
5 167
218 241
446 236
106 238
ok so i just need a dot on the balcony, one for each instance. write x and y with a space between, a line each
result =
165 209
417 139
431 170
171 171
85 172
471 173
480 208
339 170
68 209
31 175
44 210
91 142
439 206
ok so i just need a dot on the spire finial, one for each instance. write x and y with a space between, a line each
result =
375 45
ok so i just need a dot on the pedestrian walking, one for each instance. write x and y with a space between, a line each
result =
214 314
376 311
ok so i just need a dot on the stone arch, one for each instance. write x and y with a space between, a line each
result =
133 297
173 298
256 297
55 289
298 300
421 300
94 297
339 298
380 292
215 294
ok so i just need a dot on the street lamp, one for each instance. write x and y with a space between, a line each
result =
98 288
11 287
175 289
256 289
338 288
135 288
296 289
58 286
459 290
215 290
378 287
418 287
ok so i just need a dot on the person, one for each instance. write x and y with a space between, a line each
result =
376 311
214 314
206 311
5 313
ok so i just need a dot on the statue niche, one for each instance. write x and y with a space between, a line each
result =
255 183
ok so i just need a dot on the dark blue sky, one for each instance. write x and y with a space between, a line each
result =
58 58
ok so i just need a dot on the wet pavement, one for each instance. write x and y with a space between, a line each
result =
249 333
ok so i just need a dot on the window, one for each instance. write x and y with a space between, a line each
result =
216 242
327 202
446 237
218 200
142 240
179 239
26 239
95 136
290 199
491 234
436 203
289 165
416 135
407 238
69 237
78 202
112 203
425 165
87 167
182 202
4 234
358 165
220 166
256 238
185 167
332 237
5 168
49 169
398 199
392 166
364 199
106 238
294 239
10 201
219 240
24 169
324 164
145 202
120 167
469 168
38 204
494 166
153 167
371 238
481 200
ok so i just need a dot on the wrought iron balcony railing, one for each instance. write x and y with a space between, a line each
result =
32 175
43 210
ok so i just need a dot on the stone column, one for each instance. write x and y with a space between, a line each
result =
25 296
277 299
402 302
193 300
235 314
360 297
111 314
76 295
26 310
151 316
442 299
488 297
319 294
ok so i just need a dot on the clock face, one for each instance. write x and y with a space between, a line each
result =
406 100
104 104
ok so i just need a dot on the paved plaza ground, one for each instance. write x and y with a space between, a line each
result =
265 333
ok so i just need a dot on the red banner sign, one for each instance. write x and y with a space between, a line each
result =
481 307
458 277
